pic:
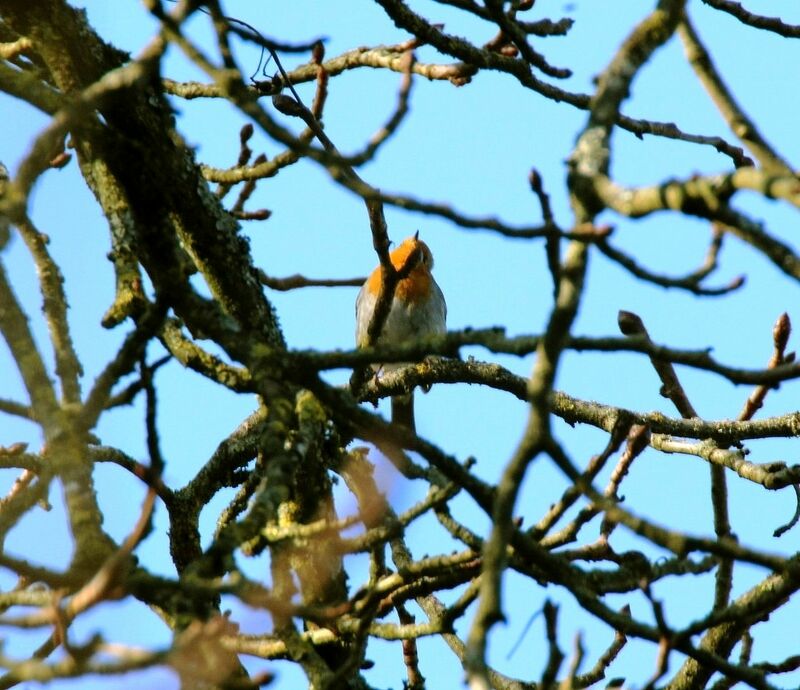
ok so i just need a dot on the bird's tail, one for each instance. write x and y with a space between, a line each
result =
403 410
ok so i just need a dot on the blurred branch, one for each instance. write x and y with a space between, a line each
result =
171 236
707 197
123 363
487 59
127 395
637 439
515 32
51 283
495 340
388 130
773 24
97 589
690 282
552 243
16 457
231 454
599 670
379 57
780 338
191 355
298 281
18 337
568 498
129 659
17 409
25 85
771 475
631 324
146 474
555 656
574 410
738 122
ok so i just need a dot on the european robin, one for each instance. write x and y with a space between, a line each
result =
418 309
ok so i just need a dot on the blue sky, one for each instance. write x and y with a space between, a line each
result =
472 147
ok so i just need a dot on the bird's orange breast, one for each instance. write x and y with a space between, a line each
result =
416 286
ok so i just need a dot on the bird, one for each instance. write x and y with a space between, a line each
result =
418 310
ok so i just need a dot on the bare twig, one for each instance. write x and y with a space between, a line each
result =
773 24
